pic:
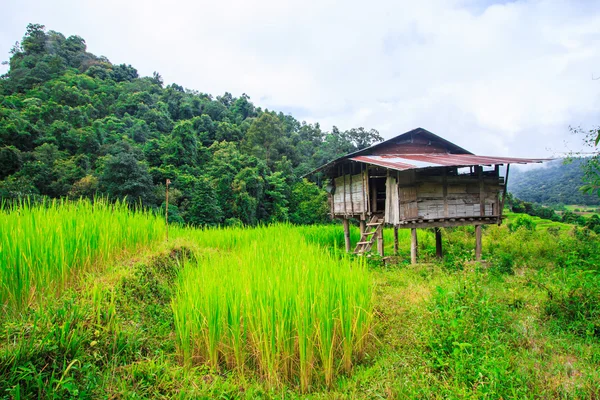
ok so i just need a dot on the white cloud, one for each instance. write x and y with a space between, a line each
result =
496 78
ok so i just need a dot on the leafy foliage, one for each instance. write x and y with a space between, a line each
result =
74 124
591 167
576 304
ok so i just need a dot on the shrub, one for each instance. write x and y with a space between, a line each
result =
467 340
576 305
503 263
522 221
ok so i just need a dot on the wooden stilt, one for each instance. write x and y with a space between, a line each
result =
396 240
363 226
380 243
438 243
413 245
346 224
478 242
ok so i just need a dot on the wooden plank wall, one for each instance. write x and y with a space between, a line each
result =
424 196
350 195
465 197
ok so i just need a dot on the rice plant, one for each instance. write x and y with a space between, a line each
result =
276 305
44 246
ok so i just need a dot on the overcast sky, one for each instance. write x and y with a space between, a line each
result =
498 78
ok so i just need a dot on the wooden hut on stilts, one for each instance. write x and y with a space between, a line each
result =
416 180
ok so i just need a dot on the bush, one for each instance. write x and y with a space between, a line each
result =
576 306
503 263
522 221
467 341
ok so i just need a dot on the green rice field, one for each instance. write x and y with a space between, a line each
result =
44 247
97 304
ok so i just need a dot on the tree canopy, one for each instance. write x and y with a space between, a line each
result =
75 124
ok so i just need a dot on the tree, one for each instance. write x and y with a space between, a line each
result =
157 79
361 138
34 40
308 204
264 137
592 166
85 187
122 73
277 197
10 161
124 176
204 206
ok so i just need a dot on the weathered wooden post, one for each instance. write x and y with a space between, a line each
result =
168 181
438 243
380 248
346 223
395 240
363 226
413 245
478 242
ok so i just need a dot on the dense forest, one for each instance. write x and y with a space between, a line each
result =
74 124
558 182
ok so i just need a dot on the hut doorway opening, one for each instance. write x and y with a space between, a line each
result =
377 185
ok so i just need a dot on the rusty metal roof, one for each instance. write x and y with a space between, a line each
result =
420 148
402 162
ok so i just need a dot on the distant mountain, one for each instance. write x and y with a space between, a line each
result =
557 182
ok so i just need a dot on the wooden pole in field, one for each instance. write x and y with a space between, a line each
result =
380 244
478 242
346 223
395 240
438 243
167 209
503 194
413 245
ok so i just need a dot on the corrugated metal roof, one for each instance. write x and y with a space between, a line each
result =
414 161
420 148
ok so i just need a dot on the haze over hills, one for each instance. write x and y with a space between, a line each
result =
555 183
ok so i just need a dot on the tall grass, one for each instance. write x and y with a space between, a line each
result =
44 246
276 305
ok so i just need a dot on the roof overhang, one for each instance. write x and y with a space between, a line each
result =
397 153
406 162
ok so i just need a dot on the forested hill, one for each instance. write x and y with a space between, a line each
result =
555 183
74 124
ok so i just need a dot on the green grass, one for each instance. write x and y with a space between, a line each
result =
46 246
227 313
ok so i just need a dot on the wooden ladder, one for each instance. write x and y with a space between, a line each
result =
372 230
